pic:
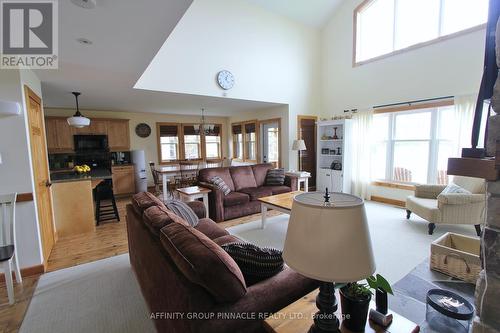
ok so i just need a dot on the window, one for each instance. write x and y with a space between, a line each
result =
212 141
245 140
168 142
386 26
407 153
237 141
192 141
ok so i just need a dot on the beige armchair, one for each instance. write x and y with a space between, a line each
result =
450 208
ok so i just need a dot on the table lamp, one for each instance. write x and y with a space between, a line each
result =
328 240
299 145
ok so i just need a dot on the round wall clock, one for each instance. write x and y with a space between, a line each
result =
225 79
143 130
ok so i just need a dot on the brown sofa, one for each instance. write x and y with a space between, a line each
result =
247 184
189 283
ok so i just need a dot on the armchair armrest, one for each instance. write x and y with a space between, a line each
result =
262 299
460 198
198 207
215 202
428 191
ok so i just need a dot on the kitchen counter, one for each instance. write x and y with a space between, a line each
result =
70 176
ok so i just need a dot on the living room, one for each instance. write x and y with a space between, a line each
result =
238 105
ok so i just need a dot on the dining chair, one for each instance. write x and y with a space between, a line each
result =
8 248
214 163
189 173
156 179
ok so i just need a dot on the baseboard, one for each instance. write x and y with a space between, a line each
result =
388 201
27 271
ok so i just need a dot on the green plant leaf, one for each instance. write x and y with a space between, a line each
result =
383 284
372 282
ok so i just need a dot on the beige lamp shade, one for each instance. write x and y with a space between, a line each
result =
299 145
329 243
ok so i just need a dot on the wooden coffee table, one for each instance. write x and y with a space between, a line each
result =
298 318
194 192
280 202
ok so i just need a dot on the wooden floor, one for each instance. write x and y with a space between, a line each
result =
109 239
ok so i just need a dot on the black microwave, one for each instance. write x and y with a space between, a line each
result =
91 142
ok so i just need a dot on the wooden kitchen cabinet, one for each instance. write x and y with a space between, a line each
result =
97 127
118 135
123 179
59 135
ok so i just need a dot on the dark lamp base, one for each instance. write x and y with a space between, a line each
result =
325 320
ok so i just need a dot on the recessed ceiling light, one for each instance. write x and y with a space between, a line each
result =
89 4
84 41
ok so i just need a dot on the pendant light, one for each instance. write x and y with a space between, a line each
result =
78 120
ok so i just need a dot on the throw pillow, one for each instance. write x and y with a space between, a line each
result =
220 184
255 263
275 177
454 188
181 209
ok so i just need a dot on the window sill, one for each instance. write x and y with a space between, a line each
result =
400 186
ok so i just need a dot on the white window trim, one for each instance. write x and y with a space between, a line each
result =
439 39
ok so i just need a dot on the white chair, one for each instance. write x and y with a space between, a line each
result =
8 248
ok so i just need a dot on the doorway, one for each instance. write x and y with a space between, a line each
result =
271 141
41 173
306 130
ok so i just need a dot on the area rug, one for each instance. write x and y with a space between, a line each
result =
398 244
102 296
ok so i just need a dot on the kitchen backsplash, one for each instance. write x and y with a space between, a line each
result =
67 160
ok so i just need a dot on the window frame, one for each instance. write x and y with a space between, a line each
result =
438 39
244 140
219 144
181 142
433 141
158 140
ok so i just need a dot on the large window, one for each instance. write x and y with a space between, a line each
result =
237 141
250 142
414 146
188 141
245 140
168 142
386 26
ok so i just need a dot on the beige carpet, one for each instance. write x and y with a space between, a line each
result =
102 296
398 244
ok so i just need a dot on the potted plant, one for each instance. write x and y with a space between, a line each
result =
355 300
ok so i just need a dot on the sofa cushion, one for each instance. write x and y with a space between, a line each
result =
203 262
204 175
453 188
156 217
226 240
275 177
235 199
183 210
242 177
256 263
210 229
144 200
220 184
260 172
256 192
278 189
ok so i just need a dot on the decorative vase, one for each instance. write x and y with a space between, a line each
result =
354 311
381 301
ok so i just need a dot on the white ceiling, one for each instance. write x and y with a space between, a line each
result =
314 13
126 35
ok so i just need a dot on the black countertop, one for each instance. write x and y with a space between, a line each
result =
70 176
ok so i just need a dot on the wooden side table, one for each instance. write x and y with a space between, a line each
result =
298 318
194 192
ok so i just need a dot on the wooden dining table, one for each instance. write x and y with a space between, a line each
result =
167 171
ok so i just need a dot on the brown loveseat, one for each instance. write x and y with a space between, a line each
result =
247 184
189 283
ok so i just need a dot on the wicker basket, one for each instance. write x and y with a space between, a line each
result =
457 255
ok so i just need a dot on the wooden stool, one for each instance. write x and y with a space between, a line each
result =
106 211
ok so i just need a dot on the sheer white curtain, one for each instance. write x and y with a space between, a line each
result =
361 153
464 118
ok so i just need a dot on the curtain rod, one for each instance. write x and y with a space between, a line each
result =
413 102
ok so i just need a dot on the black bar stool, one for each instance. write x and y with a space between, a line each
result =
105 204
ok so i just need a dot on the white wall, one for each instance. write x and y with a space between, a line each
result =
273 58
451 67
15 171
